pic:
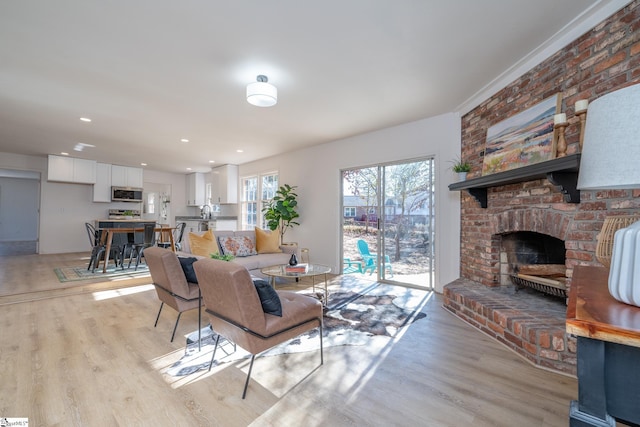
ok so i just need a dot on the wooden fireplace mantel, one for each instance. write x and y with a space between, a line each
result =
561 172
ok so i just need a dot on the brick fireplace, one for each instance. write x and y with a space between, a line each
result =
529 322
526 320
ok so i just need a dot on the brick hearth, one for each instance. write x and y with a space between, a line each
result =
531 324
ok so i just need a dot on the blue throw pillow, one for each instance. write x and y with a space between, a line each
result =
187 267
268 297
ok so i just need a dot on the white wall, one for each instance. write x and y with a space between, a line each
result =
316 172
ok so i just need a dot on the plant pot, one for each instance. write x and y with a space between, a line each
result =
462 176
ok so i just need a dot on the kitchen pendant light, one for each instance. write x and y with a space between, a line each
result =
261 93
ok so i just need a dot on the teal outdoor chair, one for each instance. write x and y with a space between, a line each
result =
371 259
349 266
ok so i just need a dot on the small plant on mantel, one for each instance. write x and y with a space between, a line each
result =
460 166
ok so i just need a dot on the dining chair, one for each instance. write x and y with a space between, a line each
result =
149 239
128 248
97 250
178 233
97 247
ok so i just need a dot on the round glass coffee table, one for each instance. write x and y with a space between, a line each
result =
312 271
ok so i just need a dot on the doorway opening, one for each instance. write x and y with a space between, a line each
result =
19 212
388 219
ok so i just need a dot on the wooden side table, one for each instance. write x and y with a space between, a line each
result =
608 334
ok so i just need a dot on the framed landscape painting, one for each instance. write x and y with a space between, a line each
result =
523 139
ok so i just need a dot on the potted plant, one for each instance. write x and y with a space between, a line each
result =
127 214
222 257
281 212
461 168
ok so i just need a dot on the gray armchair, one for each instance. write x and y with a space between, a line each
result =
236 311
171 284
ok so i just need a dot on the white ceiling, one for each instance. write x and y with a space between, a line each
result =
151 72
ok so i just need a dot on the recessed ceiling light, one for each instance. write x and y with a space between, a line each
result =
81 146
85 119
188 169
212 161
143 164
184 140
240 151
64 153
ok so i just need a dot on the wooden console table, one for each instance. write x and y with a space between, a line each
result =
608 334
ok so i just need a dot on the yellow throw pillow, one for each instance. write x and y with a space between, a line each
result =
267 241
204 245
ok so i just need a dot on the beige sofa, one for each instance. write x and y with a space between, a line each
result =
253 263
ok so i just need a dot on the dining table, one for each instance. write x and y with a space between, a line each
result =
164 232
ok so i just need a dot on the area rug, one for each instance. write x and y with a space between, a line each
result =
350 318
70 274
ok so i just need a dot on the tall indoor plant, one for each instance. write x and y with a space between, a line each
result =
281 210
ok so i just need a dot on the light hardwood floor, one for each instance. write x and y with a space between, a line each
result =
82 356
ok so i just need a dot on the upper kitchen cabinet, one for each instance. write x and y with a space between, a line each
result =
70 169
224 184
195 189
102 187
124 176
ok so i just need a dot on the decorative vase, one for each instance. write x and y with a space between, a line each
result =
293 260
624 277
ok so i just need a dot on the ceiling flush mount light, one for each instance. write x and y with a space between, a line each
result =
261 93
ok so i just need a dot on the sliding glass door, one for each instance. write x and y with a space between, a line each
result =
388 222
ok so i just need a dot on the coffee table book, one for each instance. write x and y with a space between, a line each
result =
298 268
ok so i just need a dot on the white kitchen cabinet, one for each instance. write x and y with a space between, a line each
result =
102 187
70 169
224 184
125 176
195 189
224 224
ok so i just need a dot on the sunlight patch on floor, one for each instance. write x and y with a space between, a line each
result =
368 373
104 295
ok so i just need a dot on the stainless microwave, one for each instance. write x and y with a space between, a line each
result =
126 194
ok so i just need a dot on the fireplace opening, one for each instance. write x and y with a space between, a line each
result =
534 260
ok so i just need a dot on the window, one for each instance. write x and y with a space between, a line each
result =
207 195
349 211
151 203
251 207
